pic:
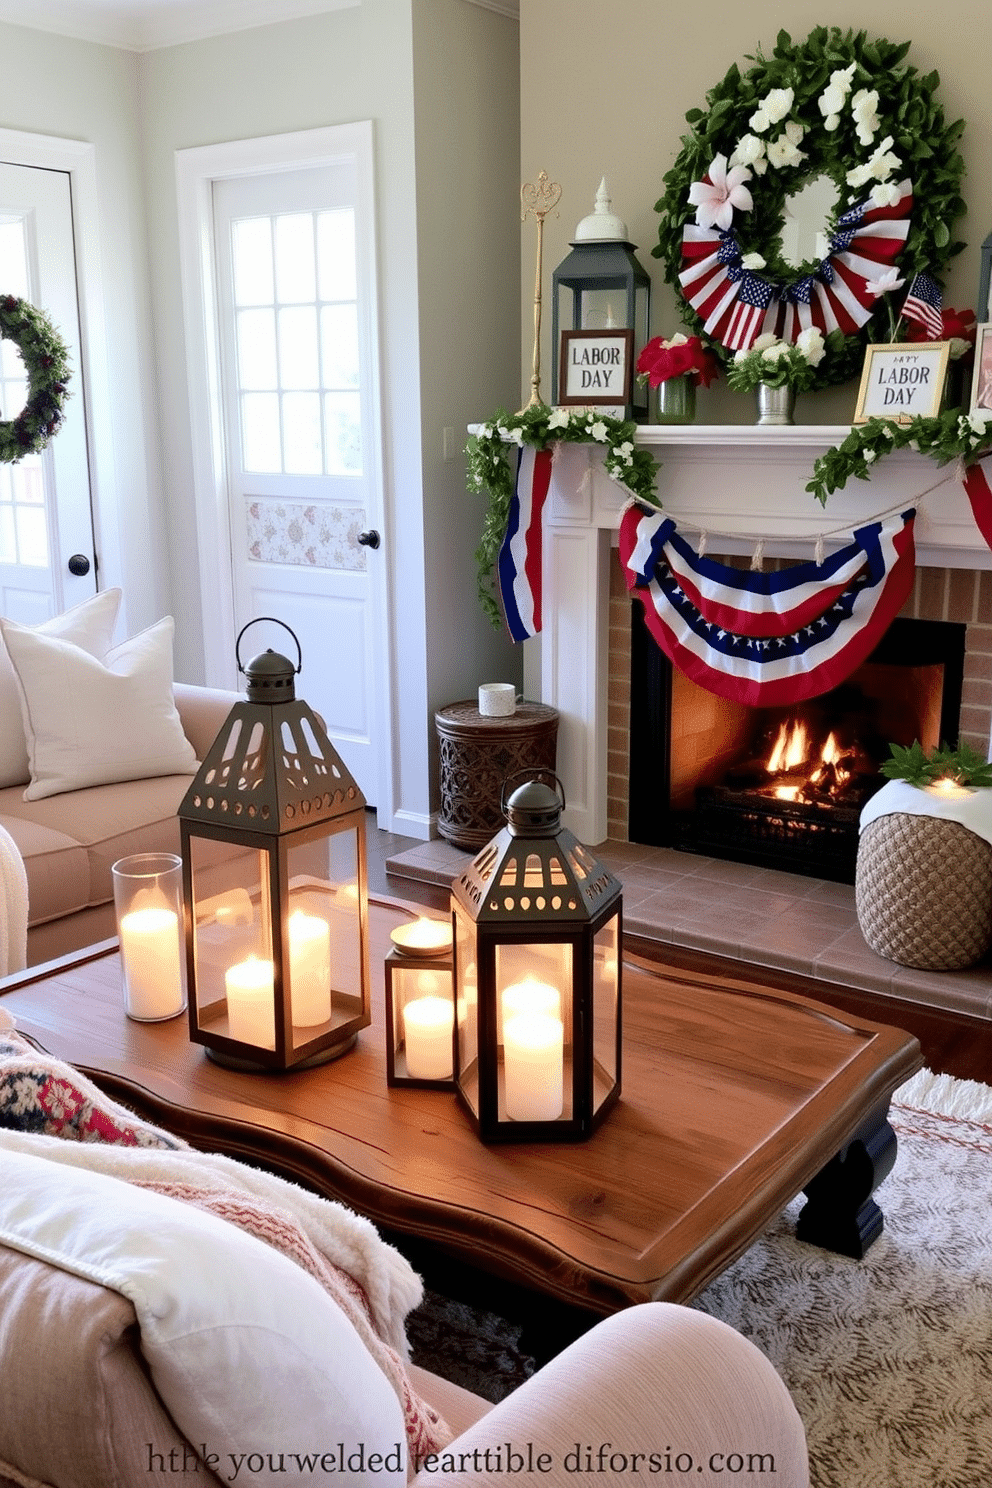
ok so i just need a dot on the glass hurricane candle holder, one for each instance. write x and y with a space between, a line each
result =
148 902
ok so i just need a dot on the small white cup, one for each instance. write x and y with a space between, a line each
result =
497 699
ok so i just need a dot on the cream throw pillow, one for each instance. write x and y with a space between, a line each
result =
89 625
92 722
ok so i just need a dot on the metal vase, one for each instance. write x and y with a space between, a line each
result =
776 405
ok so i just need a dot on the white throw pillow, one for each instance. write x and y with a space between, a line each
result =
91 722
89 625
253 1360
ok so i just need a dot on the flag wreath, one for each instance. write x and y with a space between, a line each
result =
766 639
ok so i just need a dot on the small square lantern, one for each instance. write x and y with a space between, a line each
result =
537 922
275 885
420 1045
601 286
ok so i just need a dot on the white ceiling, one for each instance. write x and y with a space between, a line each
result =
143 25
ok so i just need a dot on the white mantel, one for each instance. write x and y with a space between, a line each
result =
741 484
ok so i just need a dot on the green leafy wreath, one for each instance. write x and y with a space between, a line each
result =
838 104
46 361
487 454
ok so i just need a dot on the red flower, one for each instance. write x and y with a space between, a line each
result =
679 357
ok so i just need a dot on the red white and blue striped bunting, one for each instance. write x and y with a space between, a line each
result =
976 487
748 654
518 567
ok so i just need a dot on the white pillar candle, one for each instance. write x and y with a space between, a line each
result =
423 935
251 1004
427 1023
151 958
309 969
533 1067
528 996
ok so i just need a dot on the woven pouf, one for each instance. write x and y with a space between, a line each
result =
923 889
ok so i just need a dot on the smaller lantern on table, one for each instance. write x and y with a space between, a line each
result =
420 1006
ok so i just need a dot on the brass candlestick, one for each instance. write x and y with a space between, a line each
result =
539 197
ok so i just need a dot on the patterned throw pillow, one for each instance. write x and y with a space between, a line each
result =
39 1093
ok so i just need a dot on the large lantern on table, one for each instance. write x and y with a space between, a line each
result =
275 885
537 921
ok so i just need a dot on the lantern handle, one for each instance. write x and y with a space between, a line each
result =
274 621
532 774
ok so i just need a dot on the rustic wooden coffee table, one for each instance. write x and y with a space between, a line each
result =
735 1098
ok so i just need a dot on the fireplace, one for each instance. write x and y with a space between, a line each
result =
782 787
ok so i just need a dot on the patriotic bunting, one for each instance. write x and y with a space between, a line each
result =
737 305
780 638
976 486
518 567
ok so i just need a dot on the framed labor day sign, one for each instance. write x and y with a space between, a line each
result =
902 380
596 367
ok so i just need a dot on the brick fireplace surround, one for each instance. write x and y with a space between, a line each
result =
747 483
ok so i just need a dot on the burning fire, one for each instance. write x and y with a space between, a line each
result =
792 755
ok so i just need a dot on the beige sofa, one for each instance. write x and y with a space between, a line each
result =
69 841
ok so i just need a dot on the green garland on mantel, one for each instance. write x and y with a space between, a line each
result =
952 435
487 453
46 362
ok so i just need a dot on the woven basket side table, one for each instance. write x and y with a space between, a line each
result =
477 755
923 890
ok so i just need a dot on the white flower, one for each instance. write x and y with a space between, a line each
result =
739 356
773 109
957 347
764 340
883 162
486 432
516 436
870 456
560 418
783 152
864 108
810 344
753 261
888 431
884 283
624 453
677 340
716 199
979 419
775 353
886 196
750 150
598 430
859 176
831 100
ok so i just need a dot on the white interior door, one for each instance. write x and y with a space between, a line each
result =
46 519
295 330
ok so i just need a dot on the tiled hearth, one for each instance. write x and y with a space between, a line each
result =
758 915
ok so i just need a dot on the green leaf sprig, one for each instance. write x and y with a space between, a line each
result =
961 765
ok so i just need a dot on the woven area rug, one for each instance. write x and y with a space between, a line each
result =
889 1359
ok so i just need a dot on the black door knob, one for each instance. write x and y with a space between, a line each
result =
79 565
369 539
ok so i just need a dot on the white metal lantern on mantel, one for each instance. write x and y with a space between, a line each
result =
275 885
537 927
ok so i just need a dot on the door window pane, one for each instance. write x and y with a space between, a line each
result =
301 433
251 253
257 366
299 365
339 345
343 433
261 445
336 255
296 280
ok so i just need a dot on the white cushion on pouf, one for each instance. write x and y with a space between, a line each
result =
973 811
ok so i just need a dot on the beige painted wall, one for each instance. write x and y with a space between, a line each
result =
605 89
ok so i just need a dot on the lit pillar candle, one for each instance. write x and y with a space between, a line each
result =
309 969
251 1006
533 1059
151 958
528 996
427 1023
423 935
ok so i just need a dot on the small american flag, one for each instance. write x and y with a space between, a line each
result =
923 304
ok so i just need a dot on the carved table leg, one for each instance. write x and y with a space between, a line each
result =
840 1213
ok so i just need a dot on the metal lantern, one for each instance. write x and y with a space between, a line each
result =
420 1046
601 286
537 922
275 884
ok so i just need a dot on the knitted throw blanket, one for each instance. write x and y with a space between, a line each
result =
43 1098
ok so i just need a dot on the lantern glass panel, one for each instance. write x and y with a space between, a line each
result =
232 929
604 309
534 1031
323 949
467 1008
605 1010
